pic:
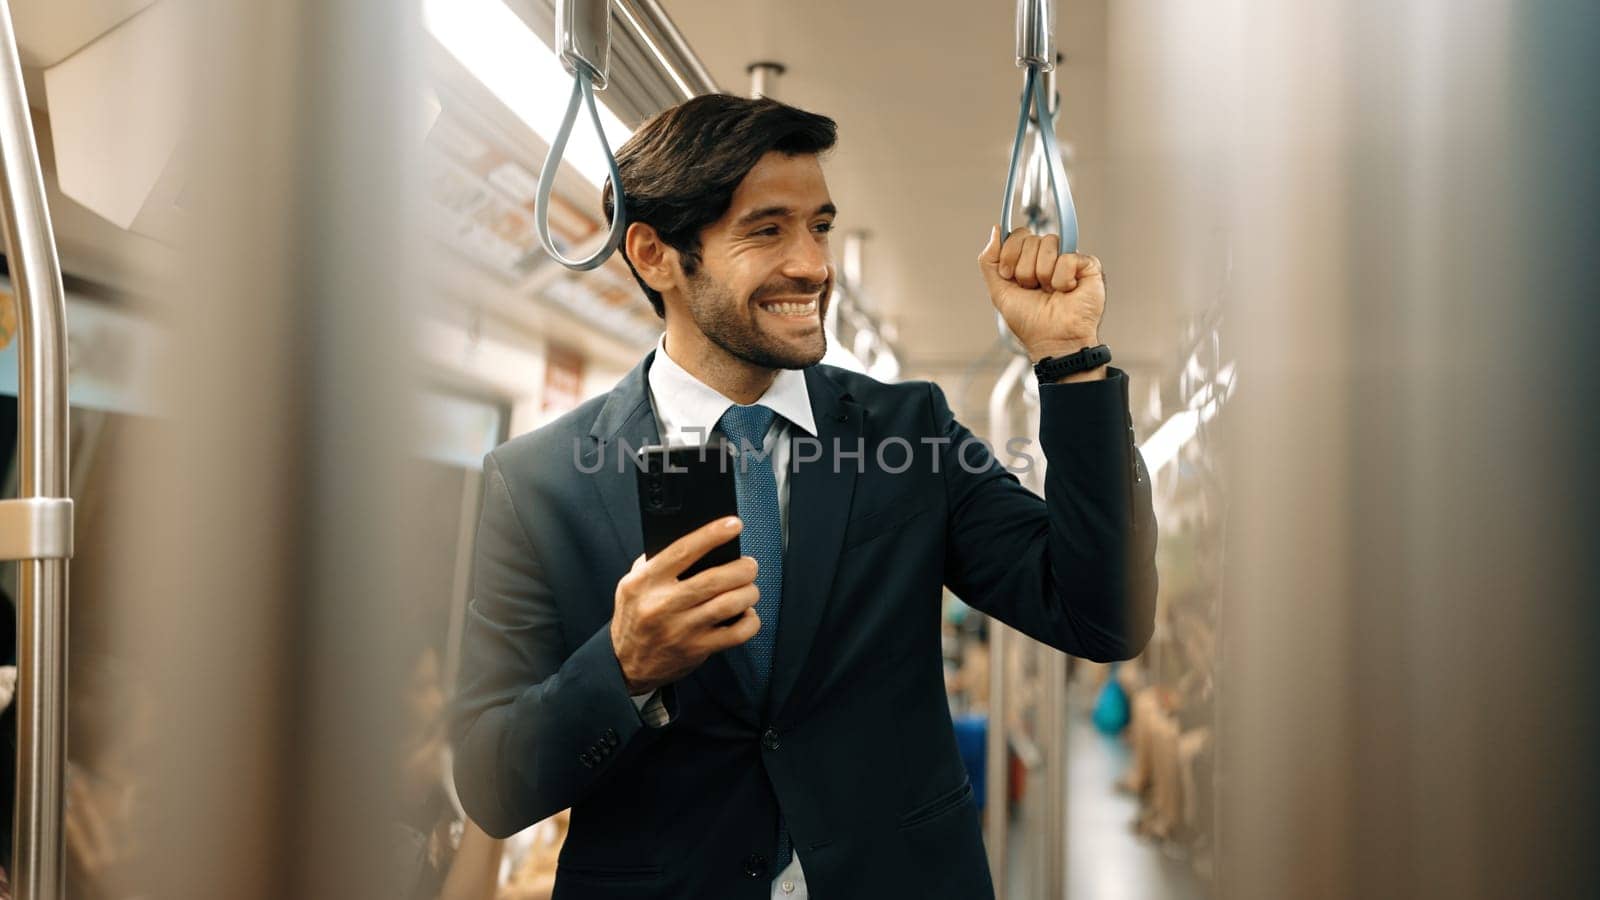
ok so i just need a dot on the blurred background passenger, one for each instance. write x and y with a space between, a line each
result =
109 721
441 855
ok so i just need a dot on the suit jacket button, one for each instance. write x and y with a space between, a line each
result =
611 737
769 739
755 865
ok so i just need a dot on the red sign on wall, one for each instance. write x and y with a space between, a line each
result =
563 379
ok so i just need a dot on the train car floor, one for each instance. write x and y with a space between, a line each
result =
1106 860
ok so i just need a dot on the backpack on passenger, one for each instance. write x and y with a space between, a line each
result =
1111 709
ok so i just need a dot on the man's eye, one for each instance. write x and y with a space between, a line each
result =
824 227
768 232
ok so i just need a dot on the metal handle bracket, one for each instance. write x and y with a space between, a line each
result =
36 528
1036 34
582 33
583 38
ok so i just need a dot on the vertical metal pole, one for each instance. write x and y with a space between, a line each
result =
42 452
1000 640
995 799
1053 722
1036 34
1053 730
764 78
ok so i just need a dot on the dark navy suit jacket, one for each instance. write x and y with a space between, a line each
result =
854 742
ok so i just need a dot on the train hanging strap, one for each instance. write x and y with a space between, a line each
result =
583 36
1036 54
1035 96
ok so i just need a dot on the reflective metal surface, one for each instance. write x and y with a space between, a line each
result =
36 528
583 38
42 467
764 78
1001 639
1036 34
654 27
1053 725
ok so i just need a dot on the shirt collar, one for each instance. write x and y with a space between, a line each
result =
687 402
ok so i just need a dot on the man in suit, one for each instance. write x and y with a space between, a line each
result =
777 726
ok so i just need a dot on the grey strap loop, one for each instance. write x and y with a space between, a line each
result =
1034 95
583 36
582 93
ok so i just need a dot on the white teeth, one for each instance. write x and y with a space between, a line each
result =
791 309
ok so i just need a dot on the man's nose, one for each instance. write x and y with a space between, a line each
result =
807 259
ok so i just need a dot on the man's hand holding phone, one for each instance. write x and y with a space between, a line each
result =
663 628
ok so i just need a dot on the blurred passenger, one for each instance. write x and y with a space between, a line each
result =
1170 735
109 728
534 877
779 722
442 856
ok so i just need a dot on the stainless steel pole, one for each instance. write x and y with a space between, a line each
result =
1053 735
667 44
1053 712
36 529
1036 34
995 812
995 796
764 78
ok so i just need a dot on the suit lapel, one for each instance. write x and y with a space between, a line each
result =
627 418
819 501
625 424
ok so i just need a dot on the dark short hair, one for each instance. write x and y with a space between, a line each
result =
680 169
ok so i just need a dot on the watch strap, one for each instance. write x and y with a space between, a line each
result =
1053 367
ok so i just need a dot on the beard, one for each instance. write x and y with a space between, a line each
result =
734 323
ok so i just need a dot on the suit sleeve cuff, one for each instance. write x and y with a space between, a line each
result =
589 697
652 709
1065 408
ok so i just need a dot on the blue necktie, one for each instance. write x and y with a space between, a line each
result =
762 538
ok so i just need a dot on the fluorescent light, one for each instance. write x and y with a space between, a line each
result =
505 55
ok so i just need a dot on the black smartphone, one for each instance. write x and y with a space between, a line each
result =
681 489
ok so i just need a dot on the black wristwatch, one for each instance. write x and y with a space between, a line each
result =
1053 367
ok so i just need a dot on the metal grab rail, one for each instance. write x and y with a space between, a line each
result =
1001 637
1047 750
1036 54
36 529
667 44
584 39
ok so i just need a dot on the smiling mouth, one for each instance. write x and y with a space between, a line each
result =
790 308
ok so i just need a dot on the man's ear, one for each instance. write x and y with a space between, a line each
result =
655 262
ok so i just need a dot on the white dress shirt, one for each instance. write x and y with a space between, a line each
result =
687 410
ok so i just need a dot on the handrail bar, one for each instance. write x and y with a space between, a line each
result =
667 44
39 522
